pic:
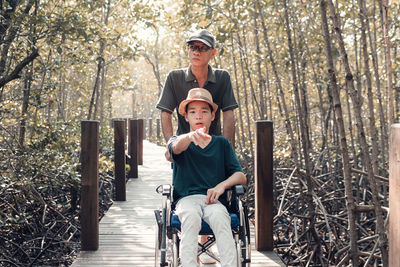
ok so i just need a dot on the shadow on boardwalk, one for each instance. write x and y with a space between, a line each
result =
127 230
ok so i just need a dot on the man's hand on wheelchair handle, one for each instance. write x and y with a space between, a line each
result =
167 155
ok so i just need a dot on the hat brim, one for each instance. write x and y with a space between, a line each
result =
184 103
200 40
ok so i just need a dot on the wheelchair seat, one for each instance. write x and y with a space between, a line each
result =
205 228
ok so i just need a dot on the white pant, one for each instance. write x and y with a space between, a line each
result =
191 210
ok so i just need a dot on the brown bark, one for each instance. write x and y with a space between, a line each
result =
281 93
363 143
384 7
241 137
15 73
367 73
343 142
261 80
303 128
94 101
246 102
383 123
255 105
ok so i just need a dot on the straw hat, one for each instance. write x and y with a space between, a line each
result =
197 94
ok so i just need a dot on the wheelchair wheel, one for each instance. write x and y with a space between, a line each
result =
175 250
242 253
243 245
161 242
157 247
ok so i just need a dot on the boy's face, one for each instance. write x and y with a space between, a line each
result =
199 115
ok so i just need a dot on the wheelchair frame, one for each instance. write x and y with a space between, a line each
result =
167 237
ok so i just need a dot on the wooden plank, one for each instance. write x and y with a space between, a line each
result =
126 232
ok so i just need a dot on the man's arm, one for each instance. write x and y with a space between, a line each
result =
214 193
229 126
166 125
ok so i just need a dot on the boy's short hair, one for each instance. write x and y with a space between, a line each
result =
187 106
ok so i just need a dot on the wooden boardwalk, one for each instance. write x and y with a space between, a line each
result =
127 230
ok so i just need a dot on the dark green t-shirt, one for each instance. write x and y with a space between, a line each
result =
178 84
196 170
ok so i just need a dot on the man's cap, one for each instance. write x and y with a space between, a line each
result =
203 36
197 94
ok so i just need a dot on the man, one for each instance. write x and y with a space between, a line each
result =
204 167
201 50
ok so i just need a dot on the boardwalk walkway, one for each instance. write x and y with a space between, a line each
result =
127 230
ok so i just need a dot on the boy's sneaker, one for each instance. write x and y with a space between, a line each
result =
206 259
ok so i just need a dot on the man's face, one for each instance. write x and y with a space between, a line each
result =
200 58
199 115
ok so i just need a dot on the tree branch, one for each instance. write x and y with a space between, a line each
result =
15 73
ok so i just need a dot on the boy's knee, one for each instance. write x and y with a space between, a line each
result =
191 219
219 217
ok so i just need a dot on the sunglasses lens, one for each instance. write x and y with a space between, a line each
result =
195 48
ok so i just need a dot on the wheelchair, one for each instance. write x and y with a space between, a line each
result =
168 229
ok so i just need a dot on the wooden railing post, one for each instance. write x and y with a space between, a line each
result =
133 148
264 186
150 129
394 195
140 141
119 159
90 185
144 130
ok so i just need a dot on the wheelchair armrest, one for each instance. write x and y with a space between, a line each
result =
239 190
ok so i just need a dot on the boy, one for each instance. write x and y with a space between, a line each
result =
204 167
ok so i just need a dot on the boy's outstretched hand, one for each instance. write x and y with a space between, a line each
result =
199 137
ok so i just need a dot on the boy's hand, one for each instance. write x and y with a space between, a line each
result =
213 194
199 137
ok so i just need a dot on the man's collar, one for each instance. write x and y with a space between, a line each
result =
189 77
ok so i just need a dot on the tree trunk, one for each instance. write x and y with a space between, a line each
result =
351 206
100 66
288 124
242 142
363 143
261 80
303 128
383 123
367 72
246 102
256 106
25 105
384 7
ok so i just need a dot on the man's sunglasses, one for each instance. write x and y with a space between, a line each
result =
202 48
